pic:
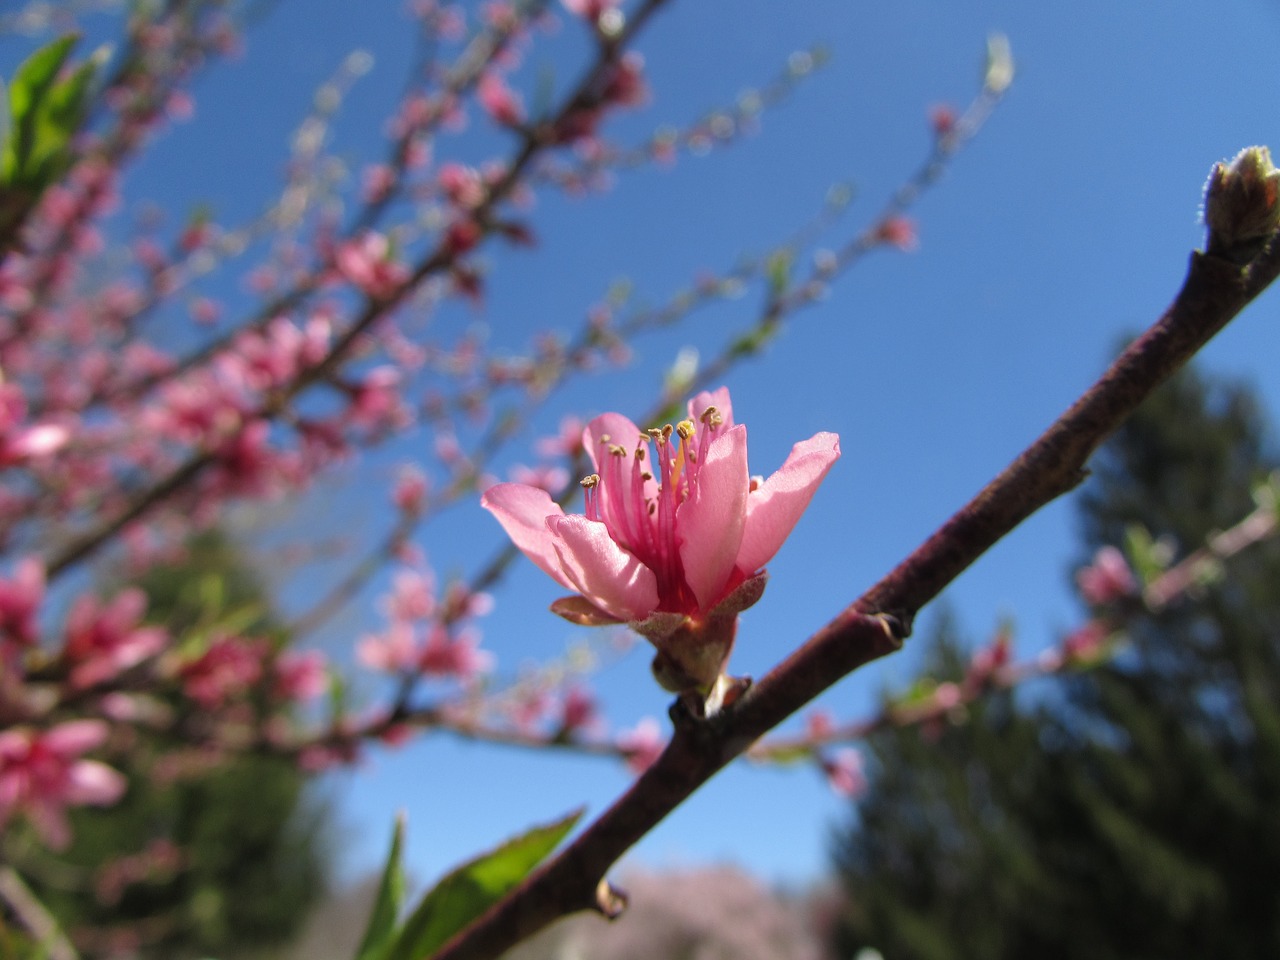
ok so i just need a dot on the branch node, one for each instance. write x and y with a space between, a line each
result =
610 901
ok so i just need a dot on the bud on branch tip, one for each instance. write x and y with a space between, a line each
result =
1242 205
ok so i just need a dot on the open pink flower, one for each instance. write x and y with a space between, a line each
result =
42 773
678 542
1107 579
670 542
105 639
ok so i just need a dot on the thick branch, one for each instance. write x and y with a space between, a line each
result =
1214 291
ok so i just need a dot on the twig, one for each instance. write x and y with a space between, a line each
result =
32 914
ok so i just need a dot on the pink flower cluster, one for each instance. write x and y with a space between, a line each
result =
429 635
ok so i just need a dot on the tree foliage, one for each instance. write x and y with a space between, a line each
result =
205 854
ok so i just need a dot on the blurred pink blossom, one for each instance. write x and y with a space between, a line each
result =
1107 579
20 598
42 773
228 668
105 639
845 772
642 745
301 675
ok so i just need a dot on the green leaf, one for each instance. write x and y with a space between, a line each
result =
28 91
472 888
382 922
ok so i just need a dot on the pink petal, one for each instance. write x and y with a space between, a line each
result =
712 398
524 513
93 782
75 737
710 522
774 508
609 428
604 573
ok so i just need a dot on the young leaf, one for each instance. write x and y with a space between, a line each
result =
472 888
382 921
28 91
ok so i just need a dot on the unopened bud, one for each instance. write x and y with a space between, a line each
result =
1242 204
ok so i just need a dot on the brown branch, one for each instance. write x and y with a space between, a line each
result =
874 625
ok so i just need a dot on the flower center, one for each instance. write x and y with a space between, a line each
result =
640 510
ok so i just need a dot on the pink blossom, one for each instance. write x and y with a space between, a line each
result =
844 772
625 86
987 661
413 596
498 99
578 711
41 774
455 657
379 179
544 476
642 745
1087 644
461 186
819 725
367 263
392 652
677 555
566 443
301 675
103 640
410 491
20 599
676 543
898 232
591 10
229 667
1107 579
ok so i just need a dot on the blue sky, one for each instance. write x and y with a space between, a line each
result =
1064 226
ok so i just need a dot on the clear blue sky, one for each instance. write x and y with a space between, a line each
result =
1064 226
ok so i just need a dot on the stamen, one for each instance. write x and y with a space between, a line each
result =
591 494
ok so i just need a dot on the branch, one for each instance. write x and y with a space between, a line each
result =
874 625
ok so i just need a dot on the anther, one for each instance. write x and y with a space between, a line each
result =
685 429
711 417
590 481
617 451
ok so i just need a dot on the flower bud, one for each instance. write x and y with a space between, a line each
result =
1242 204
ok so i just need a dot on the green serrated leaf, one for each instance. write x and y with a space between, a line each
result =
472 888
386 908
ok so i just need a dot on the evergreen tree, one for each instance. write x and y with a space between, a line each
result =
224 861
1130 812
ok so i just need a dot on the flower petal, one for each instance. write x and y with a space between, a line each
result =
524 512
710 523
89 781
599 569
609 428
719 399
75 737
775 506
